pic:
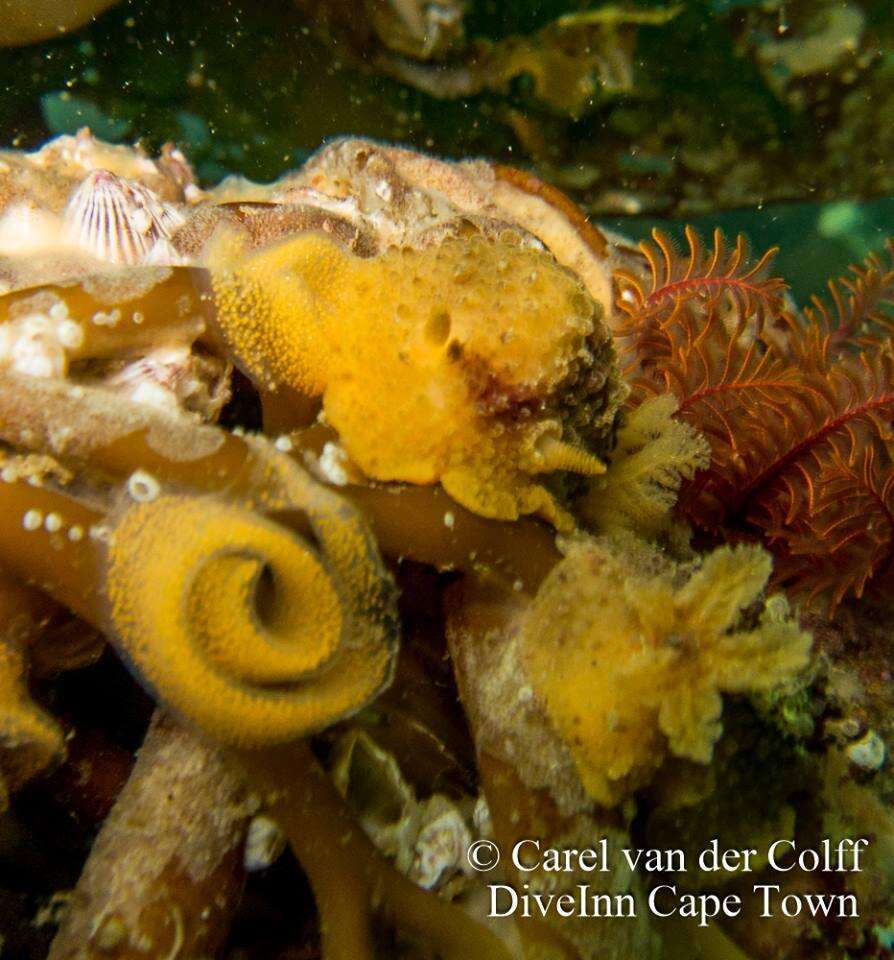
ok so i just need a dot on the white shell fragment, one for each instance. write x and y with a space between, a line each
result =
264 844
441 844
426 839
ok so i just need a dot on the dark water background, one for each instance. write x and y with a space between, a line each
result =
253 88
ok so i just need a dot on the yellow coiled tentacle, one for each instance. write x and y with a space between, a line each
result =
242 626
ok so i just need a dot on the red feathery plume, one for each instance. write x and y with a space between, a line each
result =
797 411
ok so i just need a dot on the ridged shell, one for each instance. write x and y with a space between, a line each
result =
120 221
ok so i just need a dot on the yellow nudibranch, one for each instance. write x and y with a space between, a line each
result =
477 361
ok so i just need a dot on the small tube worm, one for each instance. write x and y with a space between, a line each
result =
163 878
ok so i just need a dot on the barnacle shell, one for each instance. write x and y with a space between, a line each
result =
120 221
38 242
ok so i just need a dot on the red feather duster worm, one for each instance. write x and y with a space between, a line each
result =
797 409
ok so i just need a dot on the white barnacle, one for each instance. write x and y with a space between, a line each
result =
143 487
264 843
53 523
118 220
75 533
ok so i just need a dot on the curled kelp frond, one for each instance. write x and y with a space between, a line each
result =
203 521
630 665
195 619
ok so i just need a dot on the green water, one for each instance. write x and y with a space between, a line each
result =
706 128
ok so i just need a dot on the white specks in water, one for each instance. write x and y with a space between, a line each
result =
283 443
75 533
53 523
449 520
32 520
143 487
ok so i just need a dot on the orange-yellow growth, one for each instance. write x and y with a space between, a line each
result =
29 738
630 660
27 21
240 625
476 362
